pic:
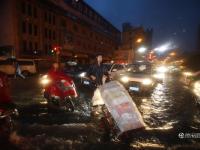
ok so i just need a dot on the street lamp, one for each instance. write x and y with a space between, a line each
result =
172 54
139 40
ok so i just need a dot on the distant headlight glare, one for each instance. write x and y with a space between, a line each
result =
147 81
125 79
83 74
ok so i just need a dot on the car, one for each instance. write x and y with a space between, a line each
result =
77 71
188 77
27 66
112 69
115 69
137 78
191 80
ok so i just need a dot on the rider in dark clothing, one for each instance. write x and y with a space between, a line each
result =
97 71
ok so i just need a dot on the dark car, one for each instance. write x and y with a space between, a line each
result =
77 72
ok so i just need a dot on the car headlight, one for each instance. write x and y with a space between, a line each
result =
197 85
147 81
45 80
187 73
162 69
83 74
125 79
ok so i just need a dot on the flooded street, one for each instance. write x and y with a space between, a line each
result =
171 114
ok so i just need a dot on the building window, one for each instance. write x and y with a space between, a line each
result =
24 27
49 47
54 20
24 46
45 33
63 23
50 34
83 31
54 35
23 7
29 10
86 10
49 19
36 46
46 49
30 46
35 12
45 16
35 30
91 35
75 28
30 28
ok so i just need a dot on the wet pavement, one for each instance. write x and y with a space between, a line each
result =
171 114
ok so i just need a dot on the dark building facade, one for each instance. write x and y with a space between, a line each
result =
134 37
32 28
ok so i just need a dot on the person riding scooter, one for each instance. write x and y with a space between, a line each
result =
59 89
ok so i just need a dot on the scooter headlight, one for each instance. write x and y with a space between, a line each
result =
45 80
125 79
147 82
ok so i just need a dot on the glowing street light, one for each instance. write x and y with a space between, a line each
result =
139 40
142 49
172 54
165 47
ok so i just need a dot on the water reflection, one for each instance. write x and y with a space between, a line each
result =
169 104
155 108
196 89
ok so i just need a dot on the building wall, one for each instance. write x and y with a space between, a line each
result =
8 29
37 26
130 36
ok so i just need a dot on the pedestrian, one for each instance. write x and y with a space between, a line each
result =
98 72
18 71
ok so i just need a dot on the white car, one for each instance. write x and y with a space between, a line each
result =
137 78
27 66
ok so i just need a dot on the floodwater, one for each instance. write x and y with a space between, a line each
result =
171 114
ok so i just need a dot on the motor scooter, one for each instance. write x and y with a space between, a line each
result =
59 92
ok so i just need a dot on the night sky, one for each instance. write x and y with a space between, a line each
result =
172 20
